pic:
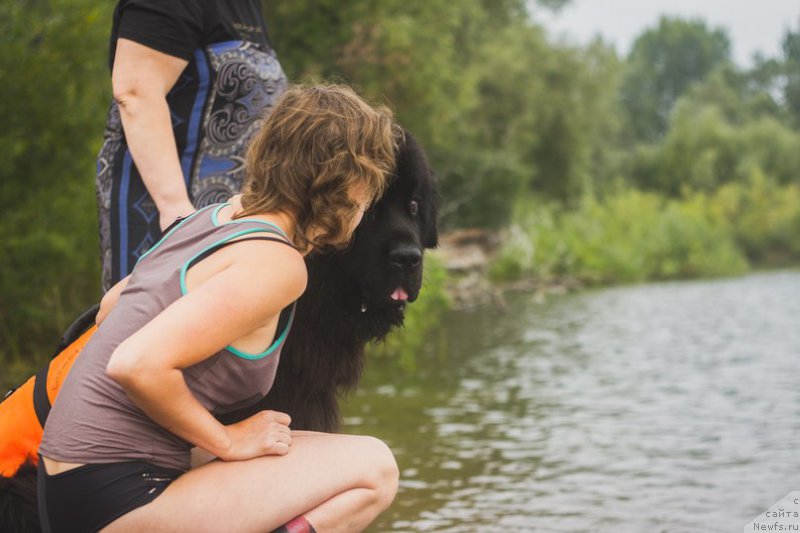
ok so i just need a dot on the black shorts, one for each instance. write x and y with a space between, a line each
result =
88 498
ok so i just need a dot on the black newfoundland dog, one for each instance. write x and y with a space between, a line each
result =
353 297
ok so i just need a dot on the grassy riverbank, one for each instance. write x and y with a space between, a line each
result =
634 236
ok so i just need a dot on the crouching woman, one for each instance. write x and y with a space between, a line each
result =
196 330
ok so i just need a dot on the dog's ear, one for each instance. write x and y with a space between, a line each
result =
430 211
411 159
430 221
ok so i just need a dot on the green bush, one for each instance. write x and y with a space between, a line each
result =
534 244
630 236
763 216
703 151
55 93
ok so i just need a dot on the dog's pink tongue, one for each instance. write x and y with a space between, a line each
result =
399 294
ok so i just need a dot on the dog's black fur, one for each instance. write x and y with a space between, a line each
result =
18 507
346 305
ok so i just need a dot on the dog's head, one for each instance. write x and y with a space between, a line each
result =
355 296
385 258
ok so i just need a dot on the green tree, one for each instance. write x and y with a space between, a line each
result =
703 151
740 95
476 81
545 124
55 92
779 77
663 63
791 70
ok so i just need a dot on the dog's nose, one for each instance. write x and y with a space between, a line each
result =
405 256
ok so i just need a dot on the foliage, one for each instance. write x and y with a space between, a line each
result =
52 61
791 74
663 63
763 215
740 96
634 236
498 108
703 151
630 236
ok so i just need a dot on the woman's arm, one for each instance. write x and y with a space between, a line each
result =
110 299
226 307
141 79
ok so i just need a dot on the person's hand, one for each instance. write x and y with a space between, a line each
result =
168 214
264 433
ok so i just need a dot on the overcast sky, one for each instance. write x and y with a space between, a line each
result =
752 25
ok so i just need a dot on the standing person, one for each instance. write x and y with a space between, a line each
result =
184 336
191 80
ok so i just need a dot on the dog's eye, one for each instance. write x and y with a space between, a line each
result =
413 208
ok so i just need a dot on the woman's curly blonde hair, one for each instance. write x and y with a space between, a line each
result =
316 145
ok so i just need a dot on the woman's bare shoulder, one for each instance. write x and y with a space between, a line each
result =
263 264
254 285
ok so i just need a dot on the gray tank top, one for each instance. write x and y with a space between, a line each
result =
94 421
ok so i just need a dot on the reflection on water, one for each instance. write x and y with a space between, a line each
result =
661 407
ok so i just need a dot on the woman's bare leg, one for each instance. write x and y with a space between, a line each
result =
338 482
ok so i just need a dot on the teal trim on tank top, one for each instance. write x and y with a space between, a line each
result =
217 223
269 350
170 232
185 291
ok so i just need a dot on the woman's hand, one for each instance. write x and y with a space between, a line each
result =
264 433
169 213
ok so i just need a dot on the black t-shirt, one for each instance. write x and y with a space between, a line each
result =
179 27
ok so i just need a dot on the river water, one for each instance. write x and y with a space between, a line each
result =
660 407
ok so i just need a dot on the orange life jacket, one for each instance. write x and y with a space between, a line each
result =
24 410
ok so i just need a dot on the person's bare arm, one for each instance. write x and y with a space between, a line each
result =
110 299
140 81
226 307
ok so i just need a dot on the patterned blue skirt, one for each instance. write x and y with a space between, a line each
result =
216 106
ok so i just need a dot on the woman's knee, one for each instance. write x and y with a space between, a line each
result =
381 473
